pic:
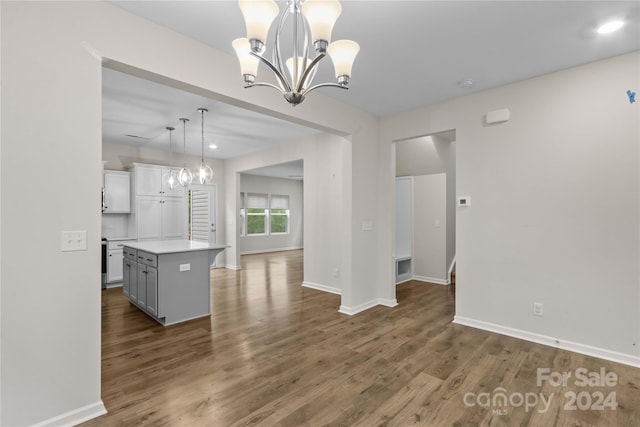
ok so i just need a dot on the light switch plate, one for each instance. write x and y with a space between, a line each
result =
185 267
73 241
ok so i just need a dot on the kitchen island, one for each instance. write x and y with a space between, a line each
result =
169 279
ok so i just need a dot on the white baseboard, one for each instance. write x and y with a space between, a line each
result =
404 281
75 417
232 267
264 251
614 356
431 280
367 305
323 288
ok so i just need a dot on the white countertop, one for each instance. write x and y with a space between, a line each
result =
159 247
113 239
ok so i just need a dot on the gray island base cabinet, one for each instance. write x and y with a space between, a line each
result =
169 279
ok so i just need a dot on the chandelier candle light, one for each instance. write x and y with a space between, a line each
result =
204 173
312 20
185 177
170 178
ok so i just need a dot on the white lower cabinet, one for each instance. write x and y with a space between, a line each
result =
115 265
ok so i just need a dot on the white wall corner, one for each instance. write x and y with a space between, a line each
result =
323 288
601 353
388 302
367 305
450 271
75 417
431 280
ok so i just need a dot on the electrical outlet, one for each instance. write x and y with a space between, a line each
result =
185 267
538 309
336 273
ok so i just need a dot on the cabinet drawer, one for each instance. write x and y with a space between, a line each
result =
147 259
131 254
116 244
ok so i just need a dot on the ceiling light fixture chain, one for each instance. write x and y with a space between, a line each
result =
312 20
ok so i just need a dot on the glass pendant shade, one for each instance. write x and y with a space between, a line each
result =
171 179
248 62
321 16
204 173
185 177
258 16
343 53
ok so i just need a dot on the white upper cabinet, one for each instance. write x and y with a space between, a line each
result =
117 185
159 212
150 182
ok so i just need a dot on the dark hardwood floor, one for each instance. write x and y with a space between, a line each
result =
275 353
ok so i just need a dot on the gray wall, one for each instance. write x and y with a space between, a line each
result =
430 227
555 206
285 187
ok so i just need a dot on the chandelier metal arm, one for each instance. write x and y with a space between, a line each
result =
265 84
307 72
279 75
324 85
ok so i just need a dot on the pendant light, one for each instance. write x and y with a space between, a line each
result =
204 172
171 178
185 177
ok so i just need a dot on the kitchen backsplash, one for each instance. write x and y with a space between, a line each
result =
115 225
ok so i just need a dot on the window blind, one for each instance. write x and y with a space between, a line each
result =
256 201
279 202
200 215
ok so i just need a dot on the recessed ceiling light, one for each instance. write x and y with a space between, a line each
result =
213 147
610 27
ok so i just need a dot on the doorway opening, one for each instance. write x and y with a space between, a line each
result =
425 226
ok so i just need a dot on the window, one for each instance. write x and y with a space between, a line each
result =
256 213
279 214
242 214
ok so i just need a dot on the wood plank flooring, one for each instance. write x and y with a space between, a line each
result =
276 354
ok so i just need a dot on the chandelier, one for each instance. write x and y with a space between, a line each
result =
312 23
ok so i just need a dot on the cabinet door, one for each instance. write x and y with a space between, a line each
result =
133 282
142 285
152 291
174 218
117 192
148 181
126 275
149 218
114 265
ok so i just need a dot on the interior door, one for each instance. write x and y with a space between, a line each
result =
202 213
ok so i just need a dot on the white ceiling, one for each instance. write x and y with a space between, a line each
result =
413 53
138 107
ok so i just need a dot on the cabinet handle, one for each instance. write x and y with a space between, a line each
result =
149 260
145 272
140 257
